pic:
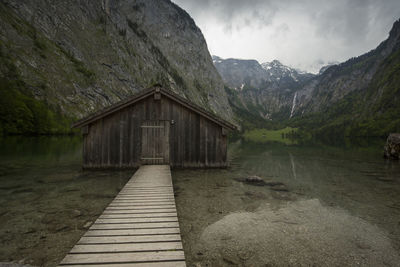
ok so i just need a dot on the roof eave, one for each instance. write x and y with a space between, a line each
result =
146 93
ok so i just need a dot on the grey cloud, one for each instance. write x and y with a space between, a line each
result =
233 13
345 20
297 32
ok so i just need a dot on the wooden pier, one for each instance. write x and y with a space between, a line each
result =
139 228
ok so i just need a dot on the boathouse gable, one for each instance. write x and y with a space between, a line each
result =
156 126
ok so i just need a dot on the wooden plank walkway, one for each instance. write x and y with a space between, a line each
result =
139 228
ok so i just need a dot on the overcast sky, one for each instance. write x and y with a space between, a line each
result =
305 34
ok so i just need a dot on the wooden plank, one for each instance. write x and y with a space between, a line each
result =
144 195
154 190
143 206
144 186
137 220
166 142
135 185
128 239
135 197
134 225
143 200
159 189
129 247
96 258
142 264
129 232
137 211
152 126
138 215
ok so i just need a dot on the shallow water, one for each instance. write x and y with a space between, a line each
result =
46 201
339 206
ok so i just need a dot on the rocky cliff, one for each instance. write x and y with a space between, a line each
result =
264 90
61 60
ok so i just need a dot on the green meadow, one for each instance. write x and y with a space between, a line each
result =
286 135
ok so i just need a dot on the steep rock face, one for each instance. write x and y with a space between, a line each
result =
238 73
79 56
264 90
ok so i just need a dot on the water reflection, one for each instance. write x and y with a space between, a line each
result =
350 180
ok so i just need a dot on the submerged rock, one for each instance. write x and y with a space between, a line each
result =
280 187
258 181
253 180
392 147
76 213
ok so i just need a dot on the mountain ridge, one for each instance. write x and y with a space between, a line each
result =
327 101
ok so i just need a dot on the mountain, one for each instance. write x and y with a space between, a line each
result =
354 75
264 91
61 60
359 97
241 73
238 73
276 71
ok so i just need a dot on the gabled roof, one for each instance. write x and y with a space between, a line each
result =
146 93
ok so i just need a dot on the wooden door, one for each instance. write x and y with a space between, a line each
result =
155 142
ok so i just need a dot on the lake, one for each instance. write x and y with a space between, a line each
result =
318 204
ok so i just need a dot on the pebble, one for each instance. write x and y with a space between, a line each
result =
77 213
87 224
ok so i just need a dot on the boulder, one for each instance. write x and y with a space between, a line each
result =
392 147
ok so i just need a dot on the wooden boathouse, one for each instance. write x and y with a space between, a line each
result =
155 126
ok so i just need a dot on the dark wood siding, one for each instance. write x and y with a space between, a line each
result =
115 140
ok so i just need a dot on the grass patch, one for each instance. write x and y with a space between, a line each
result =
79 65
287 135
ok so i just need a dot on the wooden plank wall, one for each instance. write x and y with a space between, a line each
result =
115 140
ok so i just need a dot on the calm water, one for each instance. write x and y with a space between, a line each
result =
323 205
46 201
339 206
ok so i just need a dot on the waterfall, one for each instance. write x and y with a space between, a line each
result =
293 104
